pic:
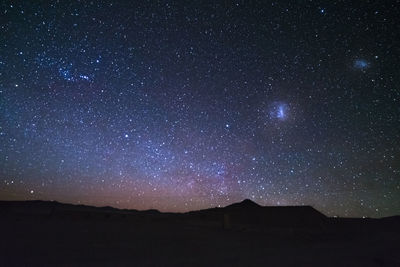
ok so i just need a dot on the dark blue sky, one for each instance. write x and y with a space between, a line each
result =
181 106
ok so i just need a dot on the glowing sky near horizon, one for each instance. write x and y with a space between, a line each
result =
155 104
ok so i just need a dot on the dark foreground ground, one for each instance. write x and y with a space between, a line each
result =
36 237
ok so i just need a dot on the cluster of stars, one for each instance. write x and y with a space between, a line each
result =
186 106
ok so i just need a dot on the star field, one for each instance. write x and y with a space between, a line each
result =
159 104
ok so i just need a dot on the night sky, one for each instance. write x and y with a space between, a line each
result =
197 104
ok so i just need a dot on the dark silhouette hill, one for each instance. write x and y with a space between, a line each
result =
242 213
245 204
64 210
249 212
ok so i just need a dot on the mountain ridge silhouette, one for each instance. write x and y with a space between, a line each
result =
246 206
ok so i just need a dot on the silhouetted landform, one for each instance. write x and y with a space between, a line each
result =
249 212
40 233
